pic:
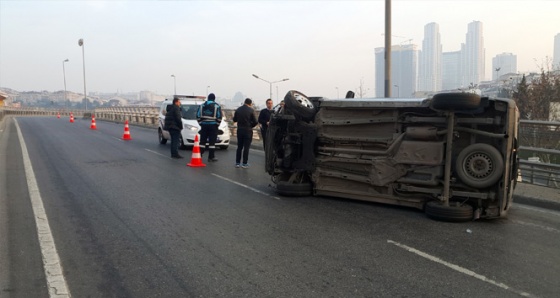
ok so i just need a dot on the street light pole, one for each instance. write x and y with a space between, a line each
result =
81 44
174 84
270 83
64 74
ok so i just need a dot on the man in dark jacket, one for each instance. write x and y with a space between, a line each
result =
209 116
246 120
174 125
264 118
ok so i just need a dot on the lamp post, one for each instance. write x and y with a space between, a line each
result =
174 84
398 91
64 75
81 44
270 83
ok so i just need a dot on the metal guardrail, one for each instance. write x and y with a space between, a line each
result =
540 139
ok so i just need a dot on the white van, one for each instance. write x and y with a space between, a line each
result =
189 106
453 155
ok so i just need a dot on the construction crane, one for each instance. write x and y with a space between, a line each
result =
408 40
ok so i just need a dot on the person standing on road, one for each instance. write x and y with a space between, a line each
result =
209 116
246 120
264 119
174 125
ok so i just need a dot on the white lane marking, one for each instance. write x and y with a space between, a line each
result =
117 138
460 269
549 229
51 262
156 153
536 209
246 186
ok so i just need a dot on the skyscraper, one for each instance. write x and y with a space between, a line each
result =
556 57
451 70
404 64
430 67
473 55
502 64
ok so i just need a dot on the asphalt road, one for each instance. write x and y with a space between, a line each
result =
128 221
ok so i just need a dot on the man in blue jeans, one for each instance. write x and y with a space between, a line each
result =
246 120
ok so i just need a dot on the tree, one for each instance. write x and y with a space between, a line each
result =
538 100
521 97
361 91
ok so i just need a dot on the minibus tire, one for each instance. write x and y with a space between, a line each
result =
287 189
455 101
490 157
305 111
455 212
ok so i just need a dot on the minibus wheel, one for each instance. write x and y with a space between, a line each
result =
479 165
288 189
300 105
455 101
454 212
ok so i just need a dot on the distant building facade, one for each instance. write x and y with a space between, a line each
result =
430 66
473 56
556 57
451 70
404 69
503 64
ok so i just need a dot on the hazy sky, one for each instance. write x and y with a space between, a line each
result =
132 46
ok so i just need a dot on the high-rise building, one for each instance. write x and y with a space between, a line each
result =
502 64
473 55
451 70
430 68
404 65
556 57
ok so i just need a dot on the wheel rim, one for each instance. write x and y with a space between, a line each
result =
479 165
304 101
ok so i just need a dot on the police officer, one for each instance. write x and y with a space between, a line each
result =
209 116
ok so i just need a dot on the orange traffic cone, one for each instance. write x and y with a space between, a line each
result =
71 118
93 126
196 159
58 115
126 135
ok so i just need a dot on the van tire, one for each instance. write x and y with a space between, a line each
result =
455 212
162 140
287 189
455 101
479 165
300 105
